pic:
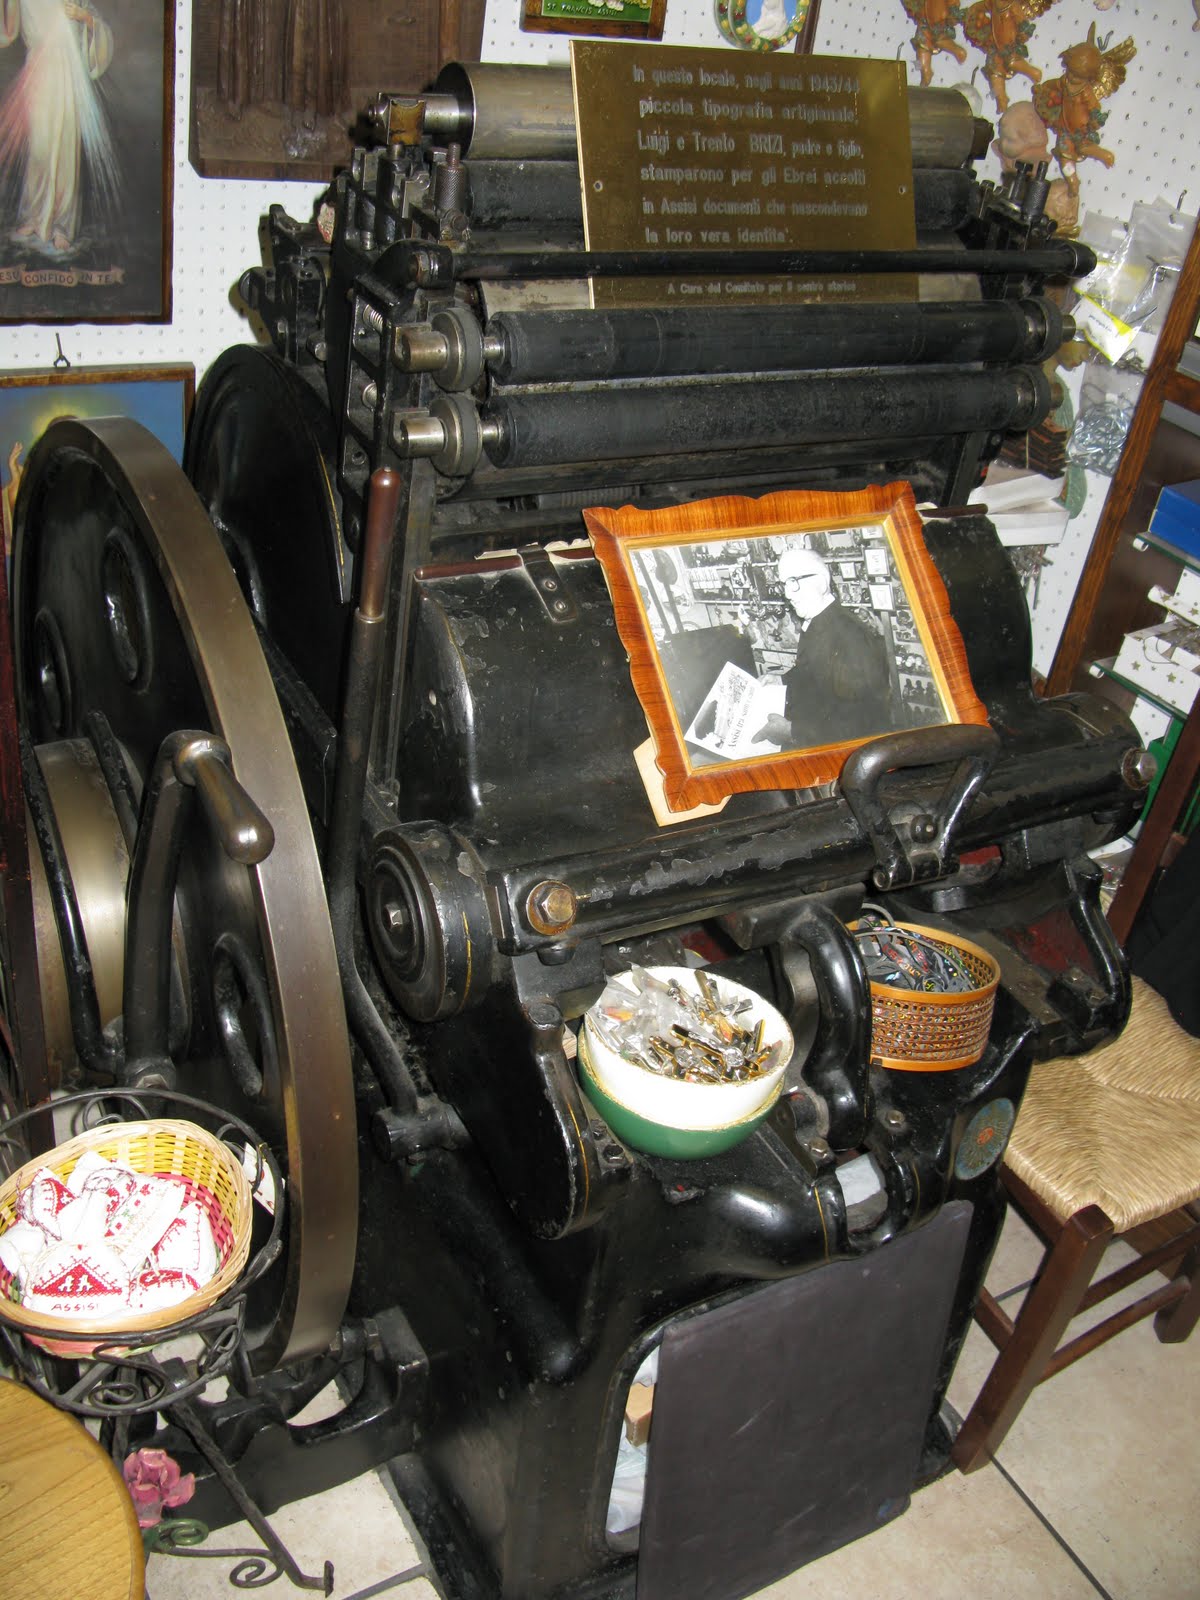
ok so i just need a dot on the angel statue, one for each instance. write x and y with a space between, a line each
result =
1022 137
937 22
1002 29
1071 104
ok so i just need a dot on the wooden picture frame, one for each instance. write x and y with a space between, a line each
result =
599 19
96 248
854 640
159 397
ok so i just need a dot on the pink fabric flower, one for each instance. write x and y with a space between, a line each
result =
156 1483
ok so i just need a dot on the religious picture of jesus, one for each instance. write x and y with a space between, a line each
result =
53 122
82 144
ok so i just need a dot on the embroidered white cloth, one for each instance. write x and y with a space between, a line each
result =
107 1242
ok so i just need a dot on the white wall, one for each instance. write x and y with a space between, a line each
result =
1151 128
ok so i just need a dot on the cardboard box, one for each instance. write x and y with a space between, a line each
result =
1159 662
1177 516
1185 602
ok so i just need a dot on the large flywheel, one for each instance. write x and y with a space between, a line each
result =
129 626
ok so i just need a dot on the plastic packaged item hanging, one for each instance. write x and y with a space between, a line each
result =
1107 403
1138 266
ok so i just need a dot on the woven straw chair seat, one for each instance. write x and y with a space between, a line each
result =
1118 1128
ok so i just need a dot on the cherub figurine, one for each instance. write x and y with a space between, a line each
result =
1071 104
1022 136
937 22
1002 30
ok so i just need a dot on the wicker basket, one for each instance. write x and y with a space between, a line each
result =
916 1032
213 1177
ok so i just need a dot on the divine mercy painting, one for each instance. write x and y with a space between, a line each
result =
85 147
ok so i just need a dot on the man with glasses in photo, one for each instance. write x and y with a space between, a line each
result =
839 686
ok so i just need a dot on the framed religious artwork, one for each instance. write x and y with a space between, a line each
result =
604 19
768 638
86 133
159 397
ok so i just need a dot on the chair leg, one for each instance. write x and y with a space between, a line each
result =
1053 1300
1174 1323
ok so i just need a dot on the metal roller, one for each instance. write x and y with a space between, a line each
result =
503 111
547 193
541 347
944 131
603 424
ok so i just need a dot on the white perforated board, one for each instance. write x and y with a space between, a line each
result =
1151 130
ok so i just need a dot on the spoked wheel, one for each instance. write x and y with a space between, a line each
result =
129 626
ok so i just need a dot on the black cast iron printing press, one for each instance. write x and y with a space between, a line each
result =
366 616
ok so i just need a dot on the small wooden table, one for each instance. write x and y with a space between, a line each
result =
68 1530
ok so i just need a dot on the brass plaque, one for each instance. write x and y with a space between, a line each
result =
711 150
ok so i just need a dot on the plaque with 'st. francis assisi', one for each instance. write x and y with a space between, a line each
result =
683 149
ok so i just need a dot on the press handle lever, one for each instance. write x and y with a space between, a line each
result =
920 847
188 763
245 835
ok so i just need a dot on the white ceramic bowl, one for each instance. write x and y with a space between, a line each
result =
673 1103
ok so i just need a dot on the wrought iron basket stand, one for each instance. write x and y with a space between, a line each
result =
134 1375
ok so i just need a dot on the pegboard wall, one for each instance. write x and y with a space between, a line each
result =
1152 121
1151 130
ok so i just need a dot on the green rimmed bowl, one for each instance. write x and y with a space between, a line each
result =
669 1117
658 1138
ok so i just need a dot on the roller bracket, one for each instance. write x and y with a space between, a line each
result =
450 346
560 608
451 434
416 265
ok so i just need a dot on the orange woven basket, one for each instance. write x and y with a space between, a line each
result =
214 1178
912 1031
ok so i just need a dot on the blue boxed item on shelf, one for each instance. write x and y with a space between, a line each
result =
1177 516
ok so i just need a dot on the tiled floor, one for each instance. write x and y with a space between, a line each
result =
1096 1493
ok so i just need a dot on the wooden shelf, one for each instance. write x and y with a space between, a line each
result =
1163 382
1111 599
1181 389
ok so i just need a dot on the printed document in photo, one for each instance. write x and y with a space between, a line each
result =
732 712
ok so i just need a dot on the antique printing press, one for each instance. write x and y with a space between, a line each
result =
414 676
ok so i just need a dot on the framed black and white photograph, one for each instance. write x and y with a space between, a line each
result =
769 638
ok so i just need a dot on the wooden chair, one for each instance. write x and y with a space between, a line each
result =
1105 1143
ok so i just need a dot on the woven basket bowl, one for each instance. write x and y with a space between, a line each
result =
916 1032
165 1148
